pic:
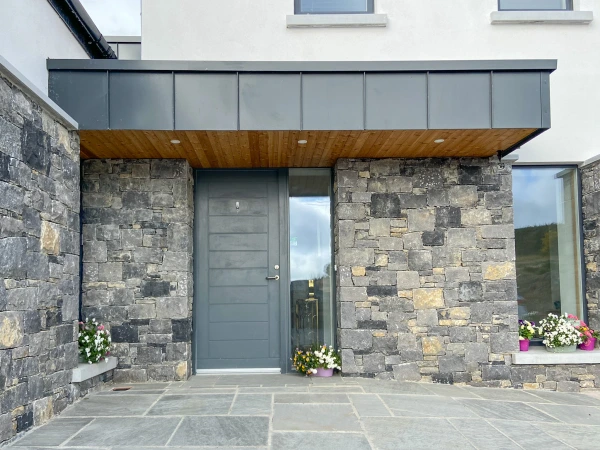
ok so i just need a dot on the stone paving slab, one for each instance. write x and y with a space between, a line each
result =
192 405
368 405
108 405
482 435
506 410
324 417
307 440
394 433
423 406
529 436
312 398
292 412
222 431
55 433
139 431
252 404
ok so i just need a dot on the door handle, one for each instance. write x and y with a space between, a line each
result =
276 277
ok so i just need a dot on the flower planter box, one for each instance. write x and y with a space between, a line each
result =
85 371
565 349
537 355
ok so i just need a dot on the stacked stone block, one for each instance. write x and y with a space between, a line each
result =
426 269
39 261
590 182
137 263
562 378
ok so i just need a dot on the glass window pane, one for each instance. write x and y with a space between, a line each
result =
310 257
333 6
547 242
534 4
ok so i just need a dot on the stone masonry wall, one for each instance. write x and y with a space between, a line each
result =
426 273
590 183
137 263
39 262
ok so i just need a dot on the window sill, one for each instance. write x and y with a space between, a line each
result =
86 371
336 20
537 355
551 17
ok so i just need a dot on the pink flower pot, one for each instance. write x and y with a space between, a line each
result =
524 345
323 372
589 345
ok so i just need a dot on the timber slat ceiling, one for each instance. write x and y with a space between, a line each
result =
263 149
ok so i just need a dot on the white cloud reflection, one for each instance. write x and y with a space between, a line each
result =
536 195
310 237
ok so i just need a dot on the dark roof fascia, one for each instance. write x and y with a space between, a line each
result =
545 65
83 28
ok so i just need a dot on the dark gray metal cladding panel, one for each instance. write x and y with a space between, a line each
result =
206 101
332 101
305 66
396 101
545 94
141 101
68 89
459 101
516 100
269 101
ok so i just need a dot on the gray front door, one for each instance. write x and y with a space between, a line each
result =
237 309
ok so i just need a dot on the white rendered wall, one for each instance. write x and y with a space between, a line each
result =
255 30
31 32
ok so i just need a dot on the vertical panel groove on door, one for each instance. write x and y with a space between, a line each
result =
238 310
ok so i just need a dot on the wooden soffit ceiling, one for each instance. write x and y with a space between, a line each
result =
270 149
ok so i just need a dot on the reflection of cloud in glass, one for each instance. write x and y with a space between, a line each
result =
536 192
310 237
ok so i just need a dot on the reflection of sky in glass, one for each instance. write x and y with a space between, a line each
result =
536 193
310 237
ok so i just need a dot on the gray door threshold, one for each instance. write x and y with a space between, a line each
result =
276 370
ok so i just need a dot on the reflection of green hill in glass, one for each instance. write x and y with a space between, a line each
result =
537 271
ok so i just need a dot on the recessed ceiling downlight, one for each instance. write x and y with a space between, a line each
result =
175 141
302 141
439 141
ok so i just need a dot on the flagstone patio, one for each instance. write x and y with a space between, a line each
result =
293 412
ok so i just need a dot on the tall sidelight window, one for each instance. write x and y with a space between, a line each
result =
535 5
547 241
310 258
333 6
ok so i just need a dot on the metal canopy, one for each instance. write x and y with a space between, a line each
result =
231 96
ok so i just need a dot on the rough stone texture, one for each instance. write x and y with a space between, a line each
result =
39 262
564 378
426 272
137 263
590 183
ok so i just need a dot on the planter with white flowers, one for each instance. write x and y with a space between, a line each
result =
558 334
318 361
94 350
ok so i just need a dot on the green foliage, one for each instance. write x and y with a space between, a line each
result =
94 341
317 356
526 329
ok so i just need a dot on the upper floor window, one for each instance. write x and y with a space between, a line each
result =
535 5
333 6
